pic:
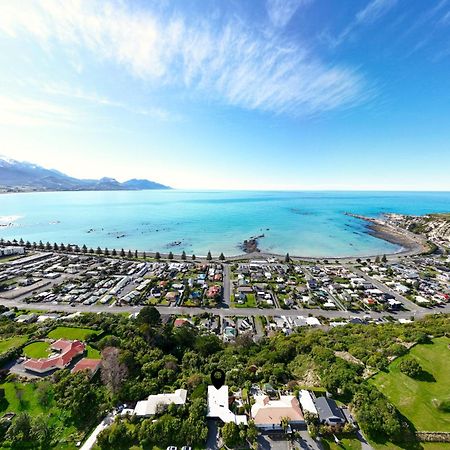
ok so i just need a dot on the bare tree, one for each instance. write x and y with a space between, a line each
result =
114 371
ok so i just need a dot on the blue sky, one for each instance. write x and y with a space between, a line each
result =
219 94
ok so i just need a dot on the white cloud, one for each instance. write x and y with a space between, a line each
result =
281 11
374 10
21 111
229 63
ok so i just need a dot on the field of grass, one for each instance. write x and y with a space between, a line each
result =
249 303
418 446
71 333
92 353
345 444
20 397
418 400
8 344
37 350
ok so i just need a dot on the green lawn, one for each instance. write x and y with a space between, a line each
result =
417 400
12 342
249 303
92 353
37 350
21 397
72 333
345 444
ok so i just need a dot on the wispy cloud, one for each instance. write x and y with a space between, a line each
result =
64 90
228 62
23 111
372 12
281 11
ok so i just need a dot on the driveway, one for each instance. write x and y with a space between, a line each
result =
213 431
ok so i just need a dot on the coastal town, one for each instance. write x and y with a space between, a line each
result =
55 288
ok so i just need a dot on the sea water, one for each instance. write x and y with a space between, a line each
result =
301 223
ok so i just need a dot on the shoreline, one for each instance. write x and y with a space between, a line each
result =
410 245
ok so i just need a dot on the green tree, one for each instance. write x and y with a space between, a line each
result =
117 436
222 257
157 256
99 251
230 434
287 258
208 256
149 315
122 253
170 256
41 431
114 252
411 367
183 255
193 257
384 259
20 429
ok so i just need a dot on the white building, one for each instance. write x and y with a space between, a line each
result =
218 407
149 407
307 402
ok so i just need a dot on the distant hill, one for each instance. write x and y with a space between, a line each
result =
19 176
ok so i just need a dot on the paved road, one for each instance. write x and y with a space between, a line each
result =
105 423
224 312
226 285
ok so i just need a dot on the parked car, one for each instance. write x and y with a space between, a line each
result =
172 447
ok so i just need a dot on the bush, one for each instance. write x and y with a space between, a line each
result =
411 367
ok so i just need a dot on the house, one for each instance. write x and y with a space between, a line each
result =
307 402
65 352
149 407
218 406
87 364
329 412
269 415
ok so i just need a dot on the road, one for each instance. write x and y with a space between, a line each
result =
226 285
223 312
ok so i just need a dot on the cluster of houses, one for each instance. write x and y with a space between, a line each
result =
424 280
270 411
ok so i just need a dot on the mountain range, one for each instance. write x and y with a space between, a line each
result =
19 176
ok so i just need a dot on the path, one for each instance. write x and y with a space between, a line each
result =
105 423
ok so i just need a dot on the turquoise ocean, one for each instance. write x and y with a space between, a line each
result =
301 223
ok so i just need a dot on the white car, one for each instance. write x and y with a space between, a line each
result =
172 447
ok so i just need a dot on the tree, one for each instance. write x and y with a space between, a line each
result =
222 257
48 246
183 255
136 254
411 367
129 254
170 256
144 255
113 371
117 436
149 315
193 257
84 249
377 260
287 258
208 256
20 429
55 246
157 255
384 259
99 251
114 252
230 434
62 247
106 251
41 431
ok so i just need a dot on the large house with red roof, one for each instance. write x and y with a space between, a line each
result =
64 353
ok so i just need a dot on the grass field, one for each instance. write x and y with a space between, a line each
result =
8 344
71 333
249 303
345 444
21 397
37 350
417 400
92 353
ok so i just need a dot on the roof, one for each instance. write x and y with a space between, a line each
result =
149 407
218 406
307 402
68 350
87 364
271 412
327 408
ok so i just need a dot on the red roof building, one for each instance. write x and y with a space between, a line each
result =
65 351
87 364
